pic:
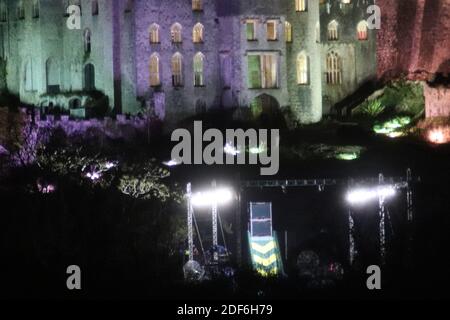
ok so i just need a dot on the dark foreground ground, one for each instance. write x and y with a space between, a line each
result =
127 252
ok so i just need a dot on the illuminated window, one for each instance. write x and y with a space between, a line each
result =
94 7
197 5
300 5
262 71
35 9
346 1
20 10
175 33
334 68
288 32
302 68
155 79
154 33
199 60
271 26
333 32
177 70
362 30
87 41
197 33
251 30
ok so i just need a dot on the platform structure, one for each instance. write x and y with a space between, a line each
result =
263 241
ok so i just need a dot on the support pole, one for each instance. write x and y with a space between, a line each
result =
189 222
382 226
214 226
351 237
410 217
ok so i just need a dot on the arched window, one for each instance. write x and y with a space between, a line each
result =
177 70
301 5
362 30
197 33
52 76
154 33
155 79
3 11
334 68
199 60
287 31
94 7
176 33
302 68
28 76
87 41
197 5
333 30
20 10
89 77
35 9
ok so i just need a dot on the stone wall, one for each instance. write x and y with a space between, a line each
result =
414 38
437 101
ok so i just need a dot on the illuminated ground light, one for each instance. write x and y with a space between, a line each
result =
439 136
393 128
347 156
171 163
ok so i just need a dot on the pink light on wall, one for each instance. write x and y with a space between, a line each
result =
439 135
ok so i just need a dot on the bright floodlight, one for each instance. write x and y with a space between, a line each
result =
231 150
208 198
171 163
361 196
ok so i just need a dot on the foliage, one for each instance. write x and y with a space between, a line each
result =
392 126
145 181
324 151
404 96
372 108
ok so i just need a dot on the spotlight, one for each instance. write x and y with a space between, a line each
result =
208 198
364 195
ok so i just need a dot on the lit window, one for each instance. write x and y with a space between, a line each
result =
362 30
288 32
155 79
87 41
271 26
346 1
262 71
154 33
35 9
197 5
300 5
333 33
197 33
94 8
302 68
177 70
334 68
251 30
175 33
199 60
